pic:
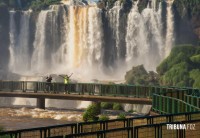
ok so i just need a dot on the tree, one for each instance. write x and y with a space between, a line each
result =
92 112
181 67
139 76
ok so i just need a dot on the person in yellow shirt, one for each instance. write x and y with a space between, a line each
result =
66 81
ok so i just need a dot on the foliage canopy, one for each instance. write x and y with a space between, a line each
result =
181 67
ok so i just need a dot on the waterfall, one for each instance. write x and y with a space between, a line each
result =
82 35
95 35
60 56
154 4
19 43
114 16
38 61
136 43
19 3
88 41
12 40
170 28
144 42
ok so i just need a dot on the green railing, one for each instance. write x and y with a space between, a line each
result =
42 132
145 131
78 88
166 104
93 89
88 127
165 100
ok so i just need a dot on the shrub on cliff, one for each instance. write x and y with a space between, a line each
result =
121 116
103 118
139 76
117 106
43 4
92 112
181 67
1 128
26 4
190 7
106 105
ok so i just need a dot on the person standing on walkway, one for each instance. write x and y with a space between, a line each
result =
66 82
48 83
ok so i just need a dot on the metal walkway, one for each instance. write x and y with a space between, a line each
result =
178 106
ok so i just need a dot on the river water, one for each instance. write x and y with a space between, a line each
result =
23 117
28 117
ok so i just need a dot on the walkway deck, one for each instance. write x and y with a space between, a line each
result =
96 98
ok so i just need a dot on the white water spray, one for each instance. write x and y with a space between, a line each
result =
170 28
144 43
38 61
70 38
114 16
19 43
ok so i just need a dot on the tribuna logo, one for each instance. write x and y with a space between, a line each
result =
181 126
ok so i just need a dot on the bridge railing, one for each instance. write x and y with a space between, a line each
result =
42 132
93 89
145 131
79 88
87 127
166 104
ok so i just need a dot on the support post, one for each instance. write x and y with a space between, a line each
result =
41 103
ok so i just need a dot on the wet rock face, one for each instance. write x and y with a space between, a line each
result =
187 16
196 25
4 37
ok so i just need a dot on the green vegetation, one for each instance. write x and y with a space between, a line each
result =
188 6
121 116
103 118
195 59
181 67
114 106
117 106
1 128
132 111
106 105
139 76
110 3
43 4
92 112
26 4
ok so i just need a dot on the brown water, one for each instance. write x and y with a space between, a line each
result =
28 117
22 118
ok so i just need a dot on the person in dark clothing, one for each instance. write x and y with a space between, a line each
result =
48 83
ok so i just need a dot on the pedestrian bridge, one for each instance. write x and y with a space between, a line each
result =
76 91
178 106
162 99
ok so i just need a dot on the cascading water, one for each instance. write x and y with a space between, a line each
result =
38 60
143 39
170 28
95 49
83 38
12 41
71 37
82 47
19 3
114 16
19 43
